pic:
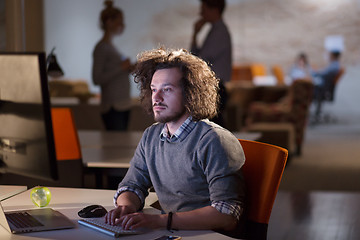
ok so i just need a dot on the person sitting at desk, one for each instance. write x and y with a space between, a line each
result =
192 163
324 79
300 69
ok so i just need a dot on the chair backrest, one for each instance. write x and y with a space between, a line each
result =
67 147
66 139
279 74
258 69
68 155
329 93
339 75
301 91
241 73
263 169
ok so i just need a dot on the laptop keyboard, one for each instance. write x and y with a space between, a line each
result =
22 220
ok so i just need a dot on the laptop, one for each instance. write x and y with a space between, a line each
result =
34 220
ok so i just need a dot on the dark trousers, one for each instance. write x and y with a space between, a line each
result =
116 120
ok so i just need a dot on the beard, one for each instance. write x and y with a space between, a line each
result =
169 117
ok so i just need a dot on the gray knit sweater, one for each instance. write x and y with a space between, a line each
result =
192 172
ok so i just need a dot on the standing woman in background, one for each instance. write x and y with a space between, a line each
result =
111 71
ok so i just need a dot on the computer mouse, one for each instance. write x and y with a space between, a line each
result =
92 211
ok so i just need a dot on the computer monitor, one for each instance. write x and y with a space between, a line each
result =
26 135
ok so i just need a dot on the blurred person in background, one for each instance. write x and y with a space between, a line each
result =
111 70
216 49
300 69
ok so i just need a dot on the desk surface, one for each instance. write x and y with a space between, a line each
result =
7 191
69 201
106 149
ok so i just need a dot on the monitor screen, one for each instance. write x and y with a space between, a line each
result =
26 136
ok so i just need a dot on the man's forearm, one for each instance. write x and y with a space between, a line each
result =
203 218
129 199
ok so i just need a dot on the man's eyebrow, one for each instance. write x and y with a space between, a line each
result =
164 85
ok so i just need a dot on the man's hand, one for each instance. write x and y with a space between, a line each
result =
127 202
141 220
114 215
198 25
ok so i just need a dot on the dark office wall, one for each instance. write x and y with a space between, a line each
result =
34 25
21 25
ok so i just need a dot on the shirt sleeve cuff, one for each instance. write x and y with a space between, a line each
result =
129 189
228 207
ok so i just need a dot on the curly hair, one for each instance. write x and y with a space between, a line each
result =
200 84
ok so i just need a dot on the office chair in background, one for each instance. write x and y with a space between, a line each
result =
327 94
68 155
292 108
263 169
279 74
68 150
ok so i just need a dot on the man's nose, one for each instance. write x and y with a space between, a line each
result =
157 96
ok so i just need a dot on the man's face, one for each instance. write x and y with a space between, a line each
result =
167 96
208 13
117 25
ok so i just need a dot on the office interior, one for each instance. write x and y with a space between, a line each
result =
264 32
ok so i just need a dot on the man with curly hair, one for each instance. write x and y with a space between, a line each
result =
192 163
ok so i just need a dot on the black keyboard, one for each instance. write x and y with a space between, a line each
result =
22 220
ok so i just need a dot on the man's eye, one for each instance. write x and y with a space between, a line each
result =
166 89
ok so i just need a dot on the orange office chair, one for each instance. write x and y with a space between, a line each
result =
263 169
258 69
241 73
279 74
67 147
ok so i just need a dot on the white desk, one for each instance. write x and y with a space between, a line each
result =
70 200
7 191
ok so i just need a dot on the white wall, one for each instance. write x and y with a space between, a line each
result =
72 26
265 31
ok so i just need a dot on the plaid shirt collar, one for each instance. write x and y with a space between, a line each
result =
180 134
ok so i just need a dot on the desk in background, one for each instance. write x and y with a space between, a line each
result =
70 200
87 114
108 149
